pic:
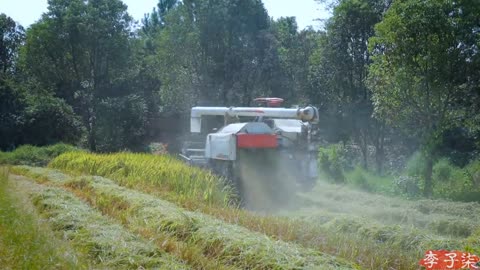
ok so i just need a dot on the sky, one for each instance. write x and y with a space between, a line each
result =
307 12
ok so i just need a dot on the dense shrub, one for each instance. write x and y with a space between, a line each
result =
369 181
415 165
35 117
331 163
443 171
473 171
121 124
50 120
12 106
338 166
450 181
460 184
35 156
358 179
408 186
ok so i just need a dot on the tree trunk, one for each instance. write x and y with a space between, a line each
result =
379 158
428 188
363 142
92 143
365 157
92 126
380 147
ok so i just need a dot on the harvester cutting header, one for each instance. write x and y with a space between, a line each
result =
268 131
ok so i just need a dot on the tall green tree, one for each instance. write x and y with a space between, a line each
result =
28 115
12 36
238 52
425 69
154 21
294 51
177 58
12 106
339 71
12 102
217 52
81 51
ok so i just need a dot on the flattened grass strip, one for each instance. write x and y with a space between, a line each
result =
229 244
455 220
108 244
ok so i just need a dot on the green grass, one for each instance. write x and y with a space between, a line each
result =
160 173
104 242
25 241
228 244
367 181
33 155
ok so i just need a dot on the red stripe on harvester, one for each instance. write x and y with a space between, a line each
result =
257 141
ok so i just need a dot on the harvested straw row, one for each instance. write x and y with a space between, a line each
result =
104 241
229 244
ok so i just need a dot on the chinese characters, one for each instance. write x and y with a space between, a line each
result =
442 259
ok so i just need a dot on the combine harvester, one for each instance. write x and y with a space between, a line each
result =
257 142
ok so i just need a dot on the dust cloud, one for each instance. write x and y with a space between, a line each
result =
267 182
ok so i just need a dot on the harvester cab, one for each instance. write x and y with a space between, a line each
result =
269 138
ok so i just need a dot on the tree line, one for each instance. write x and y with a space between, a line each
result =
385 74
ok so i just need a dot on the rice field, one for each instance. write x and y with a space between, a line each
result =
103 241
162 173
186 218
230 245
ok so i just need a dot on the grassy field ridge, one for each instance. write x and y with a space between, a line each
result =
26 242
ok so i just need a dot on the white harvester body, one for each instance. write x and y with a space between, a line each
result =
284 133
